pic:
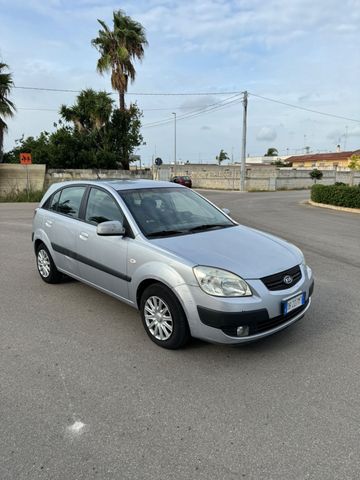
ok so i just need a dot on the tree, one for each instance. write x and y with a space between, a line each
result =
91 111
222 156
271 152
354 163
7 108
279 163
123 134
316 174
118 49
91 141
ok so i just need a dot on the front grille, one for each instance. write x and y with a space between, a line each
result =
270 323
276 281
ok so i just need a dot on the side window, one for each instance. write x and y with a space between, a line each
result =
55 201
101 207
70 201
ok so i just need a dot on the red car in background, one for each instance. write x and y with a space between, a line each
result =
182 180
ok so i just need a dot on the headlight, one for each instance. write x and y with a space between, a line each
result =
221 283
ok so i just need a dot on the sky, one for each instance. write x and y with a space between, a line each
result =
300 52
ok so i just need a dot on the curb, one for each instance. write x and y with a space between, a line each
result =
333 207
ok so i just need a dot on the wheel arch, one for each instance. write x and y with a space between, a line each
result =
37 243
152 281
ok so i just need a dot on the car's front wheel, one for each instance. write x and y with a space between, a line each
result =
46 266
163 317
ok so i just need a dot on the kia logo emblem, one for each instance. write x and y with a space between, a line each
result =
288 279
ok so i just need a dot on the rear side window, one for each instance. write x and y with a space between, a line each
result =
55 201
70 201
101 207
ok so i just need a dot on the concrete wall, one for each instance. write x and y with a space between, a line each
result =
58 175
13 177
258 177
17 177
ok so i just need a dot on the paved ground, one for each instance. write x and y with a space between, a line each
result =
286 408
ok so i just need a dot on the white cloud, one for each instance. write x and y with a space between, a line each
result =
354 132
299 51
267 134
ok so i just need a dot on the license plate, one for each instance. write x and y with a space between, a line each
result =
292 303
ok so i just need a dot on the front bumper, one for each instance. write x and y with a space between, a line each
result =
217 319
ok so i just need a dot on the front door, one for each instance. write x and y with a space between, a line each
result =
102 260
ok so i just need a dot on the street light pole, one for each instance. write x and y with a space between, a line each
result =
243 146
174 113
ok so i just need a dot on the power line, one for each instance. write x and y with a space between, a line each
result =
304 108
179 107
127 93
38 109
235 93
214 106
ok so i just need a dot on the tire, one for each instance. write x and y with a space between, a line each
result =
46 266
163 318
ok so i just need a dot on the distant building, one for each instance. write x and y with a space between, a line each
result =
334 160
266 160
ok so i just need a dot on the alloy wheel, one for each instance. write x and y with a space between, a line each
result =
158 318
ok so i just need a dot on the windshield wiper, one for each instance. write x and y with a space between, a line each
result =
164 233
208 226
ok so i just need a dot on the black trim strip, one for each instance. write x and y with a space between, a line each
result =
258 321
218 319
91 263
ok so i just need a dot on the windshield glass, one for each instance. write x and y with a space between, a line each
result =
161 212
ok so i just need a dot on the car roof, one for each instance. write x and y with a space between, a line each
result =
121 184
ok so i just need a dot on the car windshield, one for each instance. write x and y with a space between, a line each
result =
162 212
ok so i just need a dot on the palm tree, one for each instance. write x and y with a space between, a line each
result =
222 156
7 108
118 49
91 111
271 152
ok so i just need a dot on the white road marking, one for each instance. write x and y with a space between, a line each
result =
76 428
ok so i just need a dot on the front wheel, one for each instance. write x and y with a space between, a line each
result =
163 317
46 266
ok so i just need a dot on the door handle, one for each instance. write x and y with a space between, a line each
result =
84 236
48 223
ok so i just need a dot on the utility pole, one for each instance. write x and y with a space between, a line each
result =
174 113
243 146
346 135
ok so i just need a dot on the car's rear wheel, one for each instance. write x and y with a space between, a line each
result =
46 266
163 317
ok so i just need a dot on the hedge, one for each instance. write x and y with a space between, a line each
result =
340 195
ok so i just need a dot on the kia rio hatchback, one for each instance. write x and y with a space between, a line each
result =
167 251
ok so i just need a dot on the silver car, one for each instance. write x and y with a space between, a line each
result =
164 249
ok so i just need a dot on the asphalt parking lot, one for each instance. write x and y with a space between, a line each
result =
285 408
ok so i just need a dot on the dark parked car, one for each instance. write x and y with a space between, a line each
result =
182 180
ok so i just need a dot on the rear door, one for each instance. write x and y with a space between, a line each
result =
103 259
61 225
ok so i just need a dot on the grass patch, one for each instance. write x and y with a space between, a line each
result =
23 196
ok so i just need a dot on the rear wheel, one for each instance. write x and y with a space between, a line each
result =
46 266
163 317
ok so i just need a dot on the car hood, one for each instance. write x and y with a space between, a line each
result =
242 250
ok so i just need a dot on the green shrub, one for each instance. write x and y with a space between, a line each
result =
340 195
23 196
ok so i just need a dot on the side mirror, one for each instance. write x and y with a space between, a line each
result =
226 211
110 228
